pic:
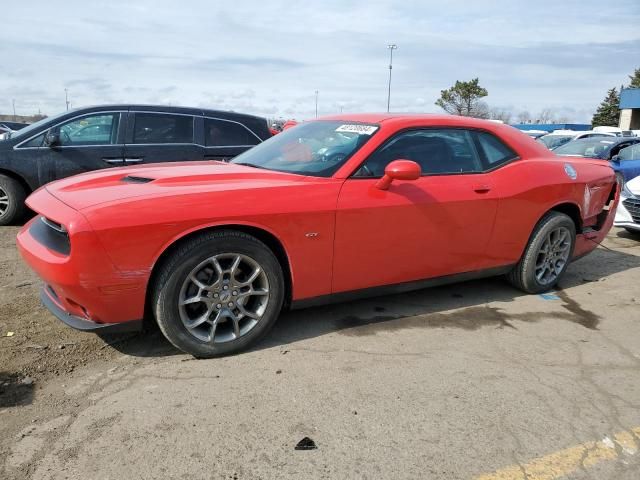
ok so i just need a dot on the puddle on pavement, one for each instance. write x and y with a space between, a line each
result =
470 318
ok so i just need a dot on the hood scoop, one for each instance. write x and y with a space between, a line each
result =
134 179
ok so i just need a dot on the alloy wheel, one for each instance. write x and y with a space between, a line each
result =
553 255
223 298
4 202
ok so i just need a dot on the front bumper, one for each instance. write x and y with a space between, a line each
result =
83 287
591 237
49 300
628 213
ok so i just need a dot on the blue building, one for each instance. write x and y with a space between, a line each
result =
630 109
550 127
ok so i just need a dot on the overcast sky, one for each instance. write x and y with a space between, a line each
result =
269 57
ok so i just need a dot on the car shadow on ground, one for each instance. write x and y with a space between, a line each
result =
460 305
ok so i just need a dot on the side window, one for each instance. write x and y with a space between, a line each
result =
617 148
34 142
437 151
90 130
162 128
495 152
220 133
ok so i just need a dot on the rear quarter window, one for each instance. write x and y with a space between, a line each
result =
493 150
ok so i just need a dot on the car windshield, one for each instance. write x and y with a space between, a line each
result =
34 126
316 148
589 147
554 141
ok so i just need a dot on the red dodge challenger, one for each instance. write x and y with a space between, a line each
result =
343 206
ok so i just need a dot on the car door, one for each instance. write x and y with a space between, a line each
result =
87 142
154 137
435 226
225 139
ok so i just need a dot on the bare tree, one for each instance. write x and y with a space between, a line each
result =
501 114
546 116
524 117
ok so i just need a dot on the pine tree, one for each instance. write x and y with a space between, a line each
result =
635 79
608 113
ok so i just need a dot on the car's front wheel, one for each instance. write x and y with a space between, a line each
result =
218 293
12 196
547 254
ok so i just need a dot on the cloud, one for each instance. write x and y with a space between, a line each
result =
270 58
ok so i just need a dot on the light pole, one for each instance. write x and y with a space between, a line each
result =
391 48
14 109
316 103
66 98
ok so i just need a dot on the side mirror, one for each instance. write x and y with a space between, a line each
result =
52 139
399 170
615 159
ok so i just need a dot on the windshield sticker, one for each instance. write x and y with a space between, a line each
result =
355 128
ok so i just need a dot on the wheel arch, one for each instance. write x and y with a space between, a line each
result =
268 238
572 210
18 178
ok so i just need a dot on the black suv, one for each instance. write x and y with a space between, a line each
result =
116 135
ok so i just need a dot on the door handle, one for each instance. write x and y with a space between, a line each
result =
134 160
482 188
113 160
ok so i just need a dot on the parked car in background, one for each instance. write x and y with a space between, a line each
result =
535 133
560 137
116 135
627 163
13 126
602 148
216 250
7 127
628 212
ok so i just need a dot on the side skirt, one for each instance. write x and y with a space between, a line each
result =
398 288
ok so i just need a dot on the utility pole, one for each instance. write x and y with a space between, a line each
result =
14 109
66 98
391 48
316 103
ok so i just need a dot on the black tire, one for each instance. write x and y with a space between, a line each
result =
174 271
523 276
15 196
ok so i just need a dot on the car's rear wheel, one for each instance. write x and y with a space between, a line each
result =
12 196
547 254
218 293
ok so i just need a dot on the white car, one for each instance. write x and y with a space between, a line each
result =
558 138
628 212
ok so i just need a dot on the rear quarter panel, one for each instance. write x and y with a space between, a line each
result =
530 188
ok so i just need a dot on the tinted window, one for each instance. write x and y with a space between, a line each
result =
91 130
495 152
438 151
162 128
34 142
589 147
219 133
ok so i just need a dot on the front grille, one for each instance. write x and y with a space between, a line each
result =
633 205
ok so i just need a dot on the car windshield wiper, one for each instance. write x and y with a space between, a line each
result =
247 164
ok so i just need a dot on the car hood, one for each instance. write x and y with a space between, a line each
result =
119 184
634 186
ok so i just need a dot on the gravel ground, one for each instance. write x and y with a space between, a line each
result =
450 382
